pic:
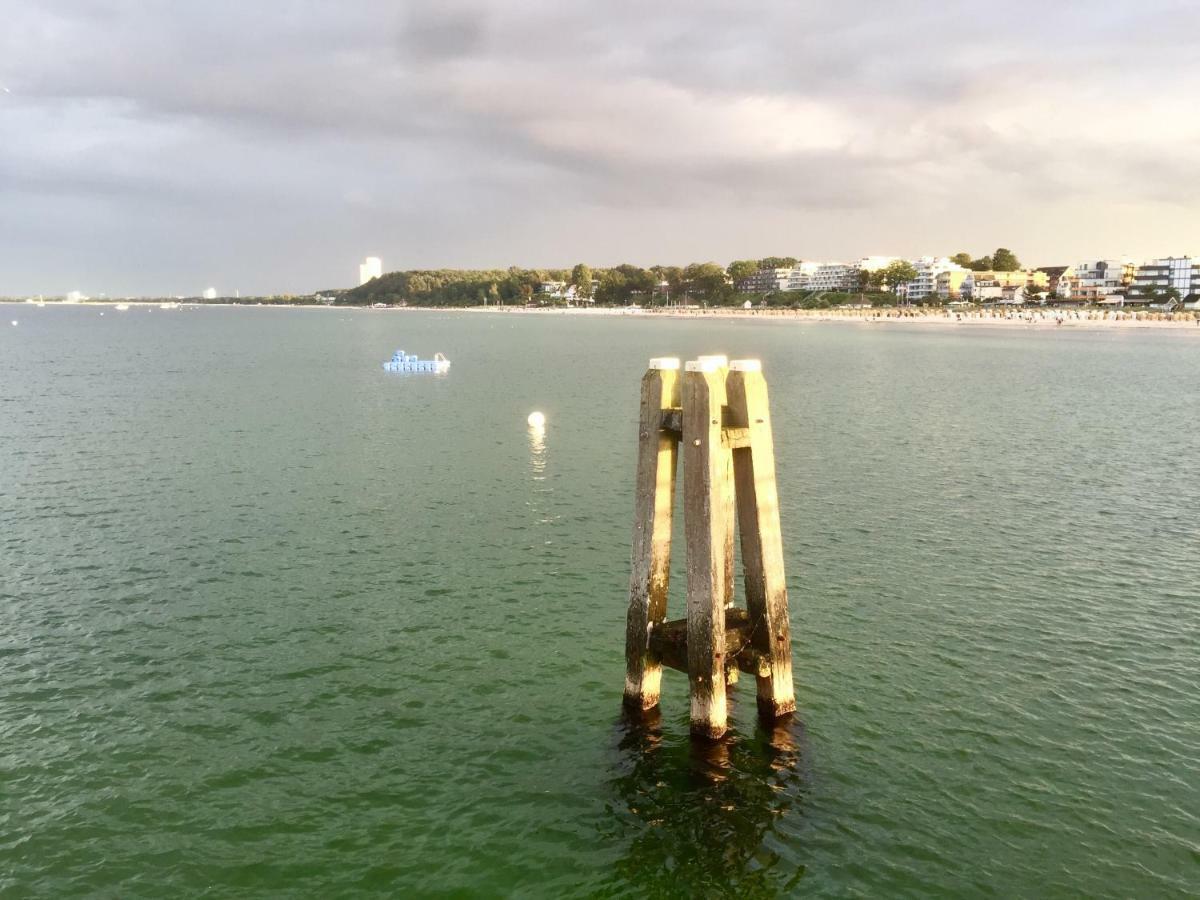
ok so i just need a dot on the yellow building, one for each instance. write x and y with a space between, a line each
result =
989 286
950 283
962 284
1020 278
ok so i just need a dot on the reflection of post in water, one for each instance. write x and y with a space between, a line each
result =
697 814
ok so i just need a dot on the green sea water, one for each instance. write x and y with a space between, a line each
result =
275 623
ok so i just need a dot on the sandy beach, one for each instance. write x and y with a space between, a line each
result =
935 317
1045 318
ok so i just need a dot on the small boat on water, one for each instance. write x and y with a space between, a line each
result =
404 362
122 307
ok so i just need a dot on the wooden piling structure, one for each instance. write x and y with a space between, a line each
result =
654 507
719 412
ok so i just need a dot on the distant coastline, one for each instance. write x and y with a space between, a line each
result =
940 317
931 316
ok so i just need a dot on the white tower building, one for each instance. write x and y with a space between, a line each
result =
372 267
210 294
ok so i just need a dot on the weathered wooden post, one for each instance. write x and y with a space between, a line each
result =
719 412
762 542
705 513
654 506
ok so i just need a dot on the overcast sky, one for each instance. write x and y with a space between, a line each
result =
162 146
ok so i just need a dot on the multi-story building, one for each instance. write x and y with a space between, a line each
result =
800 276
371 267
983 290
824 276
766 280
973 286
926 283
953 284
1154 278
1054 275
835 276
1097 281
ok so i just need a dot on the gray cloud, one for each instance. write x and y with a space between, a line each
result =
431 34
271 145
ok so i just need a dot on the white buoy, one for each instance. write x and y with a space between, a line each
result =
15 324
535 420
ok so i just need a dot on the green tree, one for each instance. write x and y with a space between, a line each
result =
863 282
673 276
612 288
897 273
741 269
1004 260
637 280
581 278
777 262
706 281
962 259
983 264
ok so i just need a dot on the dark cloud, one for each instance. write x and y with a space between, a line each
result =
444 32
281 142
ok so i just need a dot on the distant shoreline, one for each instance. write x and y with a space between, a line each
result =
933 316
1033 318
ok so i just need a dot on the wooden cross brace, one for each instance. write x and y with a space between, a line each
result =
718 413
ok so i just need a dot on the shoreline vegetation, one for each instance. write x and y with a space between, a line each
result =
992 289
1018 317
741 290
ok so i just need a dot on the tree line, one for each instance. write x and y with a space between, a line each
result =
707 283
1003 260
616 286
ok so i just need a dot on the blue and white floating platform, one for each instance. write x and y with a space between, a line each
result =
407 362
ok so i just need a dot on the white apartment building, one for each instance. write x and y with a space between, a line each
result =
800 276
926 283
1098 280
835 276
767 280
371 267
831 276
210 293
1179 272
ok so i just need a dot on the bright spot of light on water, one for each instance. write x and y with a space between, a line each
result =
537 444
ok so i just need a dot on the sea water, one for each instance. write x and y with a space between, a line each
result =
276 623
